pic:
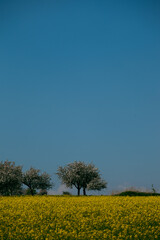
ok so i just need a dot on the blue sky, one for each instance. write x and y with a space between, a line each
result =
80 80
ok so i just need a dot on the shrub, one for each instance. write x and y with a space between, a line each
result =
137 193
67 193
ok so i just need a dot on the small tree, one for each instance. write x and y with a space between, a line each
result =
42 192
28 192
33 179
97 184
67 193
45 181
153 189
10 178
80 175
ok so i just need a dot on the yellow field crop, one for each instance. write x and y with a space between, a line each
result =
41 217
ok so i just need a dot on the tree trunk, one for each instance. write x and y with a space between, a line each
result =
78 191
32 191
84 191
11 192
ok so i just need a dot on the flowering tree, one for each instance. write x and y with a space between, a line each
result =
81 175
33 179
97 184
10 178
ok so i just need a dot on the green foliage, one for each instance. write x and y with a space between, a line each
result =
153 189
66 193
137 193
10 178
42 192
33 179
97 184
28 192
81 175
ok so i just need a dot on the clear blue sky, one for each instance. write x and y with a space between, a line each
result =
80 80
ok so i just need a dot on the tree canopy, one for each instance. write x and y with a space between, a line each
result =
10 178
33 179
81 175
77 174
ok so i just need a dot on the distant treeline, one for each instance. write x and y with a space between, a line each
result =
13 181
137 193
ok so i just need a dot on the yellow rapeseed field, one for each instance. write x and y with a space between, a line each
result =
50 217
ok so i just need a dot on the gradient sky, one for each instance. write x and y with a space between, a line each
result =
80 80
